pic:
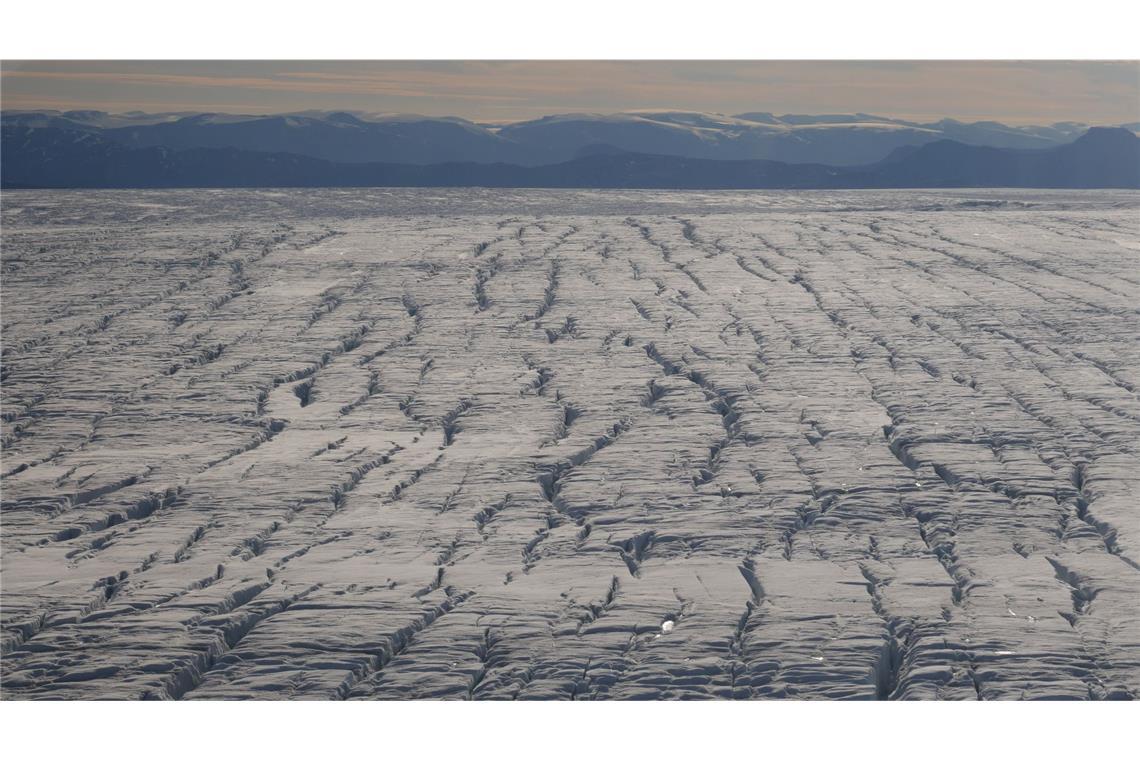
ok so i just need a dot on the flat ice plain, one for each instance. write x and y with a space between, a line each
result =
479 444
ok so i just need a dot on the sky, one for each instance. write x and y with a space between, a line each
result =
1013 92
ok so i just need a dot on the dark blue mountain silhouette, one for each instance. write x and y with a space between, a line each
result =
49 156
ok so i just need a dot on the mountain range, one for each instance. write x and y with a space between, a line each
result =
652 150
838 139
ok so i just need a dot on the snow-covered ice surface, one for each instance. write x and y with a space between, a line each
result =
594 445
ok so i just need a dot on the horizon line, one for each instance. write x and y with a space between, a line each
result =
361 113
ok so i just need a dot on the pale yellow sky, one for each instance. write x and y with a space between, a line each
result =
1038 92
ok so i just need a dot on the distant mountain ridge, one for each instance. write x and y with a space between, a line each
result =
48 156
353 137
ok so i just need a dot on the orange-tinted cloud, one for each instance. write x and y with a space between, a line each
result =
1011 91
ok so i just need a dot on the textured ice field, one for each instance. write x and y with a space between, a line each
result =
571 445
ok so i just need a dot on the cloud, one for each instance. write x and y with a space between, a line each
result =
1012 91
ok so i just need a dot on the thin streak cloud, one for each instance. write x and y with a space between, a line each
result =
1016 92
